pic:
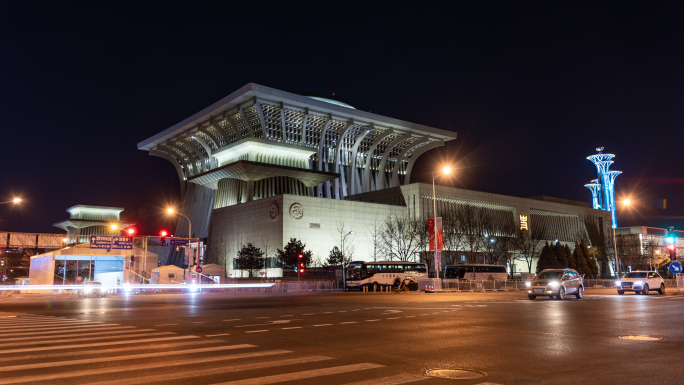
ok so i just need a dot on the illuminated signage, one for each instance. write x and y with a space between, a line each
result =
523 223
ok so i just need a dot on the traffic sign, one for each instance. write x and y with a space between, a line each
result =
198 269
179 242
110 242
675 268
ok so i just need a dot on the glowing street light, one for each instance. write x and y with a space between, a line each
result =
446 170
171 212
626 202
114 226
15 201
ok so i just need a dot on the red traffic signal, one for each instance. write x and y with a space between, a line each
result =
301 256
130 232
671 247
162 237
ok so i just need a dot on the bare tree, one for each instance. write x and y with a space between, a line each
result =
401 237
630 253
268 248
528 243
342 236
374 233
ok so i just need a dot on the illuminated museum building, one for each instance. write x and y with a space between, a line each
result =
264 165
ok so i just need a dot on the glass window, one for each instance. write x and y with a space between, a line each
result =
549 275
636 274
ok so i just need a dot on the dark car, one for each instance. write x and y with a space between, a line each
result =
556 283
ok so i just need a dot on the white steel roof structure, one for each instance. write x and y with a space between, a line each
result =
309 141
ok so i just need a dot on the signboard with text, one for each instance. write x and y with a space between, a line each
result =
179 242
110 242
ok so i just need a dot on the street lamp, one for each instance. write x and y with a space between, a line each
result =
172 211
15 201
344 271
625 202
446 170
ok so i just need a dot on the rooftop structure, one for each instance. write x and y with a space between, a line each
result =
92 220
259 142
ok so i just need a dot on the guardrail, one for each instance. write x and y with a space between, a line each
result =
610 283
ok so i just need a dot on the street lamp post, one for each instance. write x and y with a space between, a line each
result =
625 202
14 201
445 171
191 259
344 272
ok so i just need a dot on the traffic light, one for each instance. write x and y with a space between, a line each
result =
301 267
673 252
162 237
130 233
671 241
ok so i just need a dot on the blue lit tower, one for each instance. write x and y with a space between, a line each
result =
603 188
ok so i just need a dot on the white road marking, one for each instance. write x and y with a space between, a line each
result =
59 347
393 318
256 331
372 320
167 324
152 365
198 322
228 320
302 375
327 312
289 315
122 358
100 351
293 327
261 317
25 338
59 328
309 314
341 311
324 325
217 335
68 340
350 322
392 380
212 371
71 331
46 324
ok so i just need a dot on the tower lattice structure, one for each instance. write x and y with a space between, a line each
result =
603 187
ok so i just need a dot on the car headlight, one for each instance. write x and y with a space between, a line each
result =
193 288
638 283
553 284
88 289
127 288
528 284
618 283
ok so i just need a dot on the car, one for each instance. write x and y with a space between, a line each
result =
92 288
641 282
556 283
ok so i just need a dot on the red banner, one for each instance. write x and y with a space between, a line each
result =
431 231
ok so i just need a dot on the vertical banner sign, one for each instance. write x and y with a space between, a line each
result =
431 232
435 230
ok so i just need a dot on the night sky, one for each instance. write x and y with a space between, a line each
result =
531 88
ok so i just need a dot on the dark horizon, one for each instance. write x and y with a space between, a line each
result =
530 89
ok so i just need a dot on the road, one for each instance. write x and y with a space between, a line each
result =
339 338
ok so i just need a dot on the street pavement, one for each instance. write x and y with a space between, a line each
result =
339 338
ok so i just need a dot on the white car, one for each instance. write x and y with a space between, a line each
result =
641 282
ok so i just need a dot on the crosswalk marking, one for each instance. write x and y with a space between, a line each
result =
101 351
303 374
74 330
58 347
213 371
57 328
98 333
68 340
122 358
392 380
15 324
152 365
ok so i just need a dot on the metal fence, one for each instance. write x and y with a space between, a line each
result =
610 283
295 286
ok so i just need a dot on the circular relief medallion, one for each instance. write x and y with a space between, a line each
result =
274 211
297 211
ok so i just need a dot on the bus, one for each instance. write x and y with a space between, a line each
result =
376 275
482 272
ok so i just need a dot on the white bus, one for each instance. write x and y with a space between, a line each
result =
477 272
376 275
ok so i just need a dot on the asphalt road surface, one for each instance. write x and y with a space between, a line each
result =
340 338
